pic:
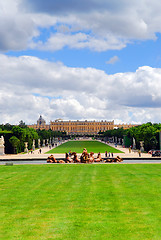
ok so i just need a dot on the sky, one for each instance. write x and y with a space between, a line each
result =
80 60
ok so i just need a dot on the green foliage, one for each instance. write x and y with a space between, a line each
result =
25 135
15 143
6 127
148 132
30 134
5 132
22 124
119 132
47 134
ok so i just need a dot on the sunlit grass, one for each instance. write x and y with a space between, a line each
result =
77 146
80 202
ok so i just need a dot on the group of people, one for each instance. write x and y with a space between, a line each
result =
85 157
108 154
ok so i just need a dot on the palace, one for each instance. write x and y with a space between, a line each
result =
78 127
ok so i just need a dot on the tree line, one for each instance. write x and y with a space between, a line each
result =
16 136
148 132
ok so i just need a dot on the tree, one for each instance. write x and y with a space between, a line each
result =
22 124
148 133
15 143
8 127
30 134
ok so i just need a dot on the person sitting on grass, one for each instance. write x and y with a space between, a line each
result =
99 158
51 159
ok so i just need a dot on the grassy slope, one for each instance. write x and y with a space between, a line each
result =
80 202
77 146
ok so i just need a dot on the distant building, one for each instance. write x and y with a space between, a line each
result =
125 126
41 124
81 127
41 121
78 127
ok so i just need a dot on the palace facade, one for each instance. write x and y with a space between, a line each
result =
78 127
81 127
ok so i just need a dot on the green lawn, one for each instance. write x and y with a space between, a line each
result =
77 146
99 201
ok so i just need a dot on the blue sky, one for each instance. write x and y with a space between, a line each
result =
136 54
98 60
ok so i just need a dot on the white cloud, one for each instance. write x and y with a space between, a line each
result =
95 24
104 25
78 41
16 29
30 86
113 60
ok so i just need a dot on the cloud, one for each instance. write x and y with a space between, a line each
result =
113 60
95 24
78 41
31 86
63 7
17 29
124 21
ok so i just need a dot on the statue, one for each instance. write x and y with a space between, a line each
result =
33 145
2 145
26 147
1 141
134 143
43 143
142 146
39 143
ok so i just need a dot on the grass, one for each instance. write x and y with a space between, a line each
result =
77 146
117 201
